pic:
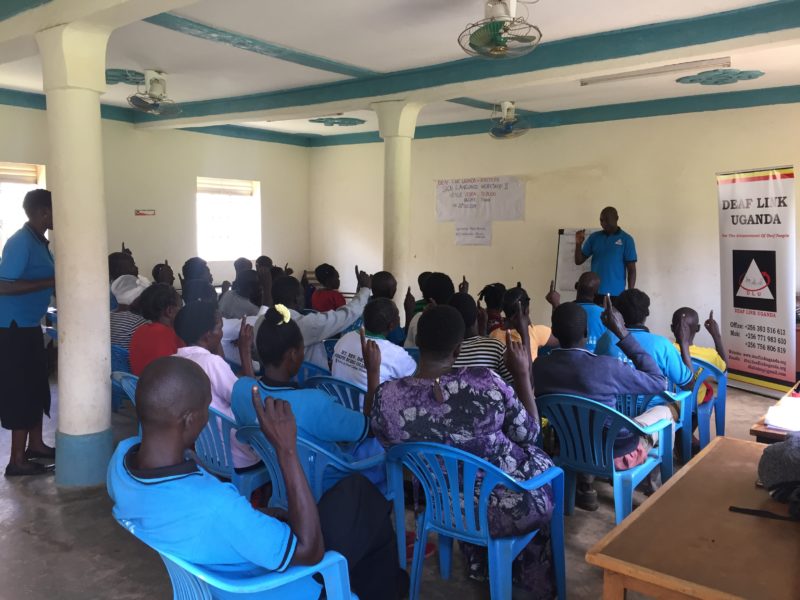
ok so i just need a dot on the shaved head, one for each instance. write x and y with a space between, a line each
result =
691 317
170 388
587 285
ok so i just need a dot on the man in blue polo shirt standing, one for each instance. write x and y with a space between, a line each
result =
613 254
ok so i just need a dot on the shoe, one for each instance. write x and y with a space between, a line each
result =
49 454
28 468
587 499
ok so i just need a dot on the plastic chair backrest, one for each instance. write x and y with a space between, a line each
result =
346 393
586 431
447 476
414 353
120 359
709 371
314 459
309 370
213 445
127 382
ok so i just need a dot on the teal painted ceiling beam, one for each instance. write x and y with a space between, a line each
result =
11 8
251 44
595 114
765 18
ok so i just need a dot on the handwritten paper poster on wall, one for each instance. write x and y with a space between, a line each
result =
480 199
473 233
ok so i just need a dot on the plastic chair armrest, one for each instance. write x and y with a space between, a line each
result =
267 581
656 427
541 479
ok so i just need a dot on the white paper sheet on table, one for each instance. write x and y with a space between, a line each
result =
785 414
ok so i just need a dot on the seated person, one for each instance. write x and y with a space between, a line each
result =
160 304
244 299
478 350
320 418
384 285
317 327
420 304
124 322
586 290
571 369
380 317
195 268
492 295
436 288
174 505
473 409
119 264
540 335
327 297
242 264
634 306
199 325
198 290
162 273
716 355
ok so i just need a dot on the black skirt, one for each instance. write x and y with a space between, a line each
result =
24 384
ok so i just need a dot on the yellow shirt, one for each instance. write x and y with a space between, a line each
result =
539 334
710 355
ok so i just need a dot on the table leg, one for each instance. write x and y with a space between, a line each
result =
613 586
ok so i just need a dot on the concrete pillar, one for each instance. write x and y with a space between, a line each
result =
397 120
73 61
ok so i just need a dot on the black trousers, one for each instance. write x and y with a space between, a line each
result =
356 523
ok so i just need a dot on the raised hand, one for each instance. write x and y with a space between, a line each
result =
371 353
126 250
408 302
580 237
612 319
245 336
712 327
277 422
463 287
288 270
364 279
553 297
517 358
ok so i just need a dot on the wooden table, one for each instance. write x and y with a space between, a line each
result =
683 542
766 434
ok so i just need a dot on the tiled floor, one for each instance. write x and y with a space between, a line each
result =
58 544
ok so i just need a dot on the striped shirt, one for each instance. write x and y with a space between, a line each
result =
480 351
123 324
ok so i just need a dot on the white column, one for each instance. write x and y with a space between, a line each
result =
73 60
397 120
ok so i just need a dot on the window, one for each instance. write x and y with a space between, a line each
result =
16 180
228 218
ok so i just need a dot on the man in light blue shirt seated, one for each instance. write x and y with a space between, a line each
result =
634 305
167 500
613 253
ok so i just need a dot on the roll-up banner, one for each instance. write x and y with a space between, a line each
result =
757 271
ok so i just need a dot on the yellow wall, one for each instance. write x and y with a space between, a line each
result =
158 170
658 172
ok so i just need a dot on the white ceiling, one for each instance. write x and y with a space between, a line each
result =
390 35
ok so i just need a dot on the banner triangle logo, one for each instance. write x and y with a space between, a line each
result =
755 283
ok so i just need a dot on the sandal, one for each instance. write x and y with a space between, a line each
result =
49 454
28 468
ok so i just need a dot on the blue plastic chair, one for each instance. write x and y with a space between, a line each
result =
586 433
52 333
309 370
346 393
127 382
193 582
414 353
316 461
632 405
448 475
715 403
330 345
120 361
213 448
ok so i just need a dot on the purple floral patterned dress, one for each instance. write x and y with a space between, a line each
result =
481 415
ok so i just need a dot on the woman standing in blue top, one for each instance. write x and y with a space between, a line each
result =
613 253
27 279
